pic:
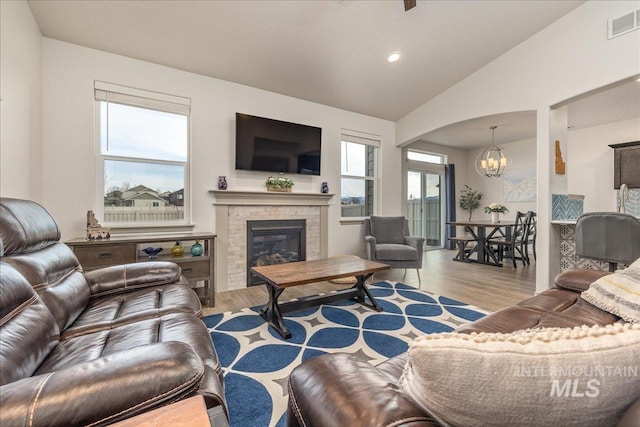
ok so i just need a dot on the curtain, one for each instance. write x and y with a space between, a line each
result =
450 203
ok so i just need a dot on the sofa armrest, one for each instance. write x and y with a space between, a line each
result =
578 280
418 244
415 242
341 390
130 277
105 390
370 247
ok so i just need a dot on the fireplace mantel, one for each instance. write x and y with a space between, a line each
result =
269 198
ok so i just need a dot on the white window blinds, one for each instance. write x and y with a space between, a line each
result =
361 138
141 98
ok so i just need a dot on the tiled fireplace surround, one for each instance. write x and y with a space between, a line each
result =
234 208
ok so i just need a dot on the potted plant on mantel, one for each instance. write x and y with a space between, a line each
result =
279 183
470 200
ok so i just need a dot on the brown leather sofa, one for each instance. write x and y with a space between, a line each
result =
342 390
91 349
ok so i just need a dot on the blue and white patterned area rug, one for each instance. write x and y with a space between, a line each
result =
257 361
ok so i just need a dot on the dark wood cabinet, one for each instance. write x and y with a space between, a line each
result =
94 254
626 164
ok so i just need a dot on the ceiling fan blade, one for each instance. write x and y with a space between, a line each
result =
409 4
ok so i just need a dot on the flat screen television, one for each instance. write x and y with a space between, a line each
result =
275 146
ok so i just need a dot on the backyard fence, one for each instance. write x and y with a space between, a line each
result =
132 214
431 220
354 210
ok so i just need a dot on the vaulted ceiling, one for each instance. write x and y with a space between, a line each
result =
332 52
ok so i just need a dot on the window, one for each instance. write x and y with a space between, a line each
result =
358 175
143 156
425 157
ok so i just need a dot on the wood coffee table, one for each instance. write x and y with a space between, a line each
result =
282 276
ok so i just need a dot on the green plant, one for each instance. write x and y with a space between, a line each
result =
470 200
496 207
279 182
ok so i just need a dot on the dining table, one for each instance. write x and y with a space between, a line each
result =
481 231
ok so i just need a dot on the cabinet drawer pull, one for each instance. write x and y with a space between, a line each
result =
187 270
106 255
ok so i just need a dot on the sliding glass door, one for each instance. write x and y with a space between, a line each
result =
425 203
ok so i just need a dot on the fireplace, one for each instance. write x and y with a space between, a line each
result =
274 242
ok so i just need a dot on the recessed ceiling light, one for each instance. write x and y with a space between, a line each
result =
394 57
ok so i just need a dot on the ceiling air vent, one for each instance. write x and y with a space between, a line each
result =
624 24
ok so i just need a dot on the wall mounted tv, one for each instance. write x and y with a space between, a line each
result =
275 146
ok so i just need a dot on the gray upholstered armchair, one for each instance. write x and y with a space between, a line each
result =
387 241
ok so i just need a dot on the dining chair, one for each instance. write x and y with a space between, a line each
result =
530 239
513 246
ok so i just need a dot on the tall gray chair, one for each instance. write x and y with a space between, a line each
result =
608 236
387 241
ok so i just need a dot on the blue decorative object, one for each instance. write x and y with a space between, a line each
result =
152 252
196 248
247 346
325 188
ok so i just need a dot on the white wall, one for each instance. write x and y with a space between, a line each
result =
570 57
21 94
590 162
521 155
69 190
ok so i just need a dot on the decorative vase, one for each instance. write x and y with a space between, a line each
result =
177 250
495 217
325 188
196 248
222 183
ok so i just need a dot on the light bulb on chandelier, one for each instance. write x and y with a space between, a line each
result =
492 161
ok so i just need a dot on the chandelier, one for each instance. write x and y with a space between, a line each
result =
492 161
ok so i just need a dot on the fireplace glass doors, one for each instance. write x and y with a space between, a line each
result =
274 242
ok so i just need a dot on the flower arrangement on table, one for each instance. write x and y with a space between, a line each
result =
279 183
495 209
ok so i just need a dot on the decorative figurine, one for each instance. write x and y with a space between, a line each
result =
94 230
196 248
152 252
325 187
222 183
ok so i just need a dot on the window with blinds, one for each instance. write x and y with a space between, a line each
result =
142 156
358 174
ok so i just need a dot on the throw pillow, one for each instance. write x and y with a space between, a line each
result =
583 376
618 293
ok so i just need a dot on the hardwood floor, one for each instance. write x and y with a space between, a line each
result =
487 287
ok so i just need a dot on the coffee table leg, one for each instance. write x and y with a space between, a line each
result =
363 291
271 312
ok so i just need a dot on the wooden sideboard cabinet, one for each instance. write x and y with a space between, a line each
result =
94 254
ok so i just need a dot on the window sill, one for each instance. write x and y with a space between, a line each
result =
353 220
120 230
